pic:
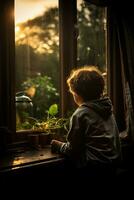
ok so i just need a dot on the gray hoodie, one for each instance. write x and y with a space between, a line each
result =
93 136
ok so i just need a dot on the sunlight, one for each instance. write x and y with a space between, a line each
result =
30 36
29 9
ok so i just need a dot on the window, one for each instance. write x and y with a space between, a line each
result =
91 35
37 59
91 42
44 48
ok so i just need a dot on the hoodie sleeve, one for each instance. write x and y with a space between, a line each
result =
73 146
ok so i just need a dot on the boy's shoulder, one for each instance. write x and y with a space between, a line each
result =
96 108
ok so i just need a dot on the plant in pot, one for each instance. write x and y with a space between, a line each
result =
52 127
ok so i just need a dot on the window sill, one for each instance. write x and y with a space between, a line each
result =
26 158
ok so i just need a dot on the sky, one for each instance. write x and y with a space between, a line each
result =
28 9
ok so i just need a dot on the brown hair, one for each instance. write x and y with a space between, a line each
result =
87 82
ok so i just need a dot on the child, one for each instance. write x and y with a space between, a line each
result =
93 137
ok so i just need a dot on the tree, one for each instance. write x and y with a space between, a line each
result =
91 40
40 46
42 92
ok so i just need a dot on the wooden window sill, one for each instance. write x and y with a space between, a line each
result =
24 158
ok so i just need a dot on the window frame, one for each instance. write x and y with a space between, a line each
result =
7 67
68 56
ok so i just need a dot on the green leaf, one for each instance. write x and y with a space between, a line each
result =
53 109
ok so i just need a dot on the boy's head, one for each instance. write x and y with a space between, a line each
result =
87 82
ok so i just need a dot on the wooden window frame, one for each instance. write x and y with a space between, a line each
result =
68 59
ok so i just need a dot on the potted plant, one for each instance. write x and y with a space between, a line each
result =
52 127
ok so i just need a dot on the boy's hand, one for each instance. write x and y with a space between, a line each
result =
56 145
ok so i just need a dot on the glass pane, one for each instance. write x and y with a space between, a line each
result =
37 59
91 35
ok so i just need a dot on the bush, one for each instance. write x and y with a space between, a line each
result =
42 92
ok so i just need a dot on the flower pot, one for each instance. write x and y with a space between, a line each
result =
44 139
33 140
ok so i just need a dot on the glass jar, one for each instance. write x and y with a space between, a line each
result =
24 110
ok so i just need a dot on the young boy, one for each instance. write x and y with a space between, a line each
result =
93 137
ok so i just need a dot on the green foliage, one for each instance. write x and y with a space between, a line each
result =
24 126
46 61
52 122
45 94
53 109
91 40
49 124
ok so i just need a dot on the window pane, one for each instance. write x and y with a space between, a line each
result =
92 35
37 59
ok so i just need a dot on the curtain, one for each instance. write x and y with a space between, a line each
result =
126 38
120 49
121 65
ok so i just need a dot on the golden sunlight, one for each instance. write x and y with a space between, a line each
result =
28 9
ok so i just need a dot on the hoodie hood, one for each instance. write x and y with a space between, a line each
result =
101 106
